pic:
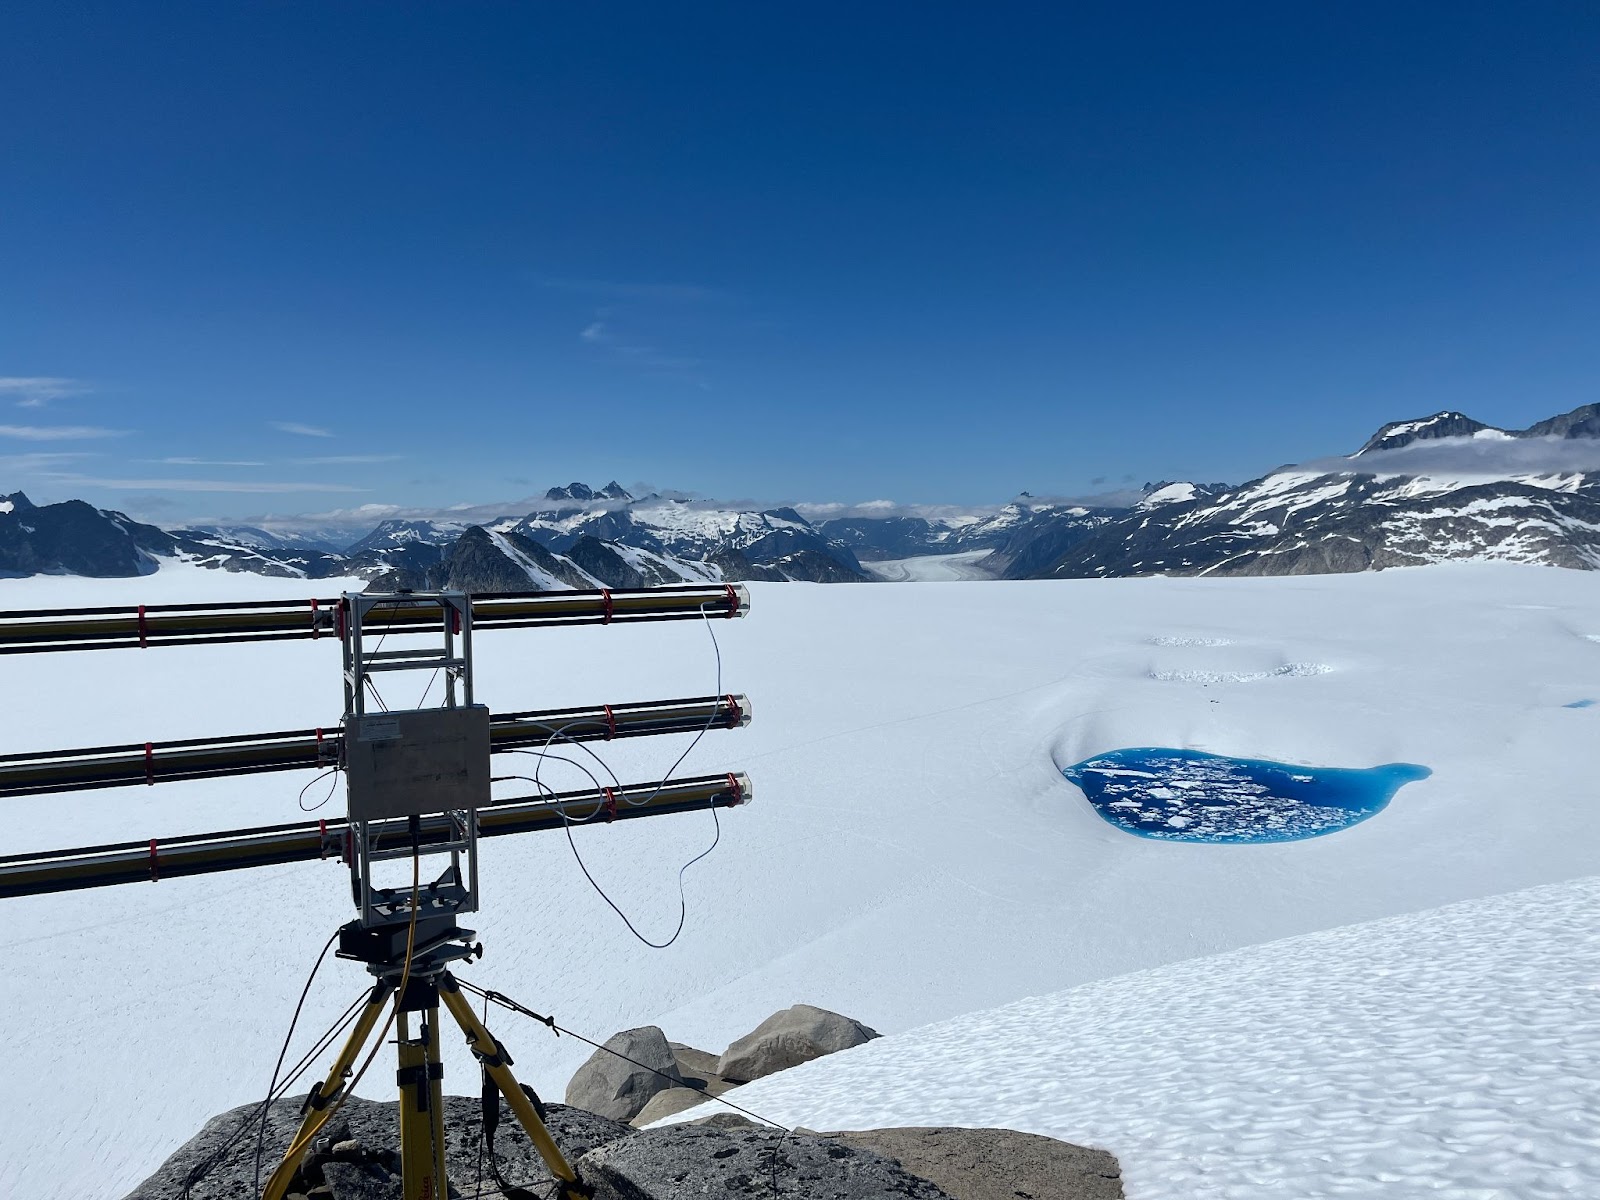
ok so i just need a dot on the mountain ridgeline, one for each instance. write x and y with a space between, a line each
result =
1437 489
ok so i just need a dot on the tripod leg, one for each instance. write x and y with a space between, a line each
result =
319 1103
497 1062
421 1077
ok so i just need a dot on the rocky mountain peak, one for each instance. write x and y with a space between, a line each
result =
573 491
1440 425
1581 422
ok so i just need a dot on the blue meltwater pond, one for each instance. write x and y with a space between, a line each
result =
1192 796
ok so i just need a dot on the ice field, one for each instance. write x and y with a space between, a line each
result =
913 853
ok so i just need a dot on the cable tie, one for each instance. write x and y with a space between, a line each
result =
155 876
316 629
611 723
611 805
142 629
733 602
605 597
738 788
322 830
149 766
737 713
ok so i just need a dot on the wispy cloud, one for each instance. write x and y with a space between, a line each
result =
1470 457
37 464
617 289
301 430
59 433
203 462
36 391
601 333
346 459
256 486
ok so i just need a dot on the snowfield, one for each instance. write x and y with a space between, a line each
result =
913 854
1454 1053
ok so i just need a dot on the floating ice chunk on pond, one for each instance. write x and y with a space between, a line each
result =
1202 797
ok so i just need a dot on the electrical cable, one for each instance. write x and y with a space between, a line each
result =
284 1050
568 822
328 1036
334 771
507 1002
483 1084
300 1143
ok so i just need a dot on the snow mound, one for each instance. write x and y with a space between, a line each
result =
1453 1052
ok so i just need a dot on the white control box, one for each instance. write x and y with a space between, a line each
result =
417 762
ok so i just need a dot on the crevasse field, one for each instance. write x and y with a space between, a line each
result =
915 859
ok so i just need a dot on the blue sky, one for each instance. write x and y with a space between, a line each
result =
297 257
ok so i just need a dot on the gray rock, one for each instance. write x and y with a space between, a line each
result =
700 1160
694 1063
664 1104
726 1118
615 1088
996 1164
361 1181
229 1161
787 1039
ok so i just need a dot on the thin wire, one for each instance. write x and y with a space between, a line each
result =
567 821
304 1140
334 771
284 1049
204 1168
368 678
507 1002
431 679
483 1077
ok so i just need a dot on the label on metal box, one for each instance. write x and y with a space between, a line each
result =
379 729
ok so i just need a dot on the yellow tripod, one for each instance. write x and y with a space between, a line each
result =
420 1075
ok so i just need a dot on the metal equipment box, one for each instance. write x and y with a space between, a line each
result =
416 762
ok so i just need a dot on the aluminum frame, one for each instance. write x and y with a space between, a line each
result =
456 889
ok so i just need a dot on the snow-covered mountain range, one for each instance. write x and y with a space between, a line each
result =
1441 488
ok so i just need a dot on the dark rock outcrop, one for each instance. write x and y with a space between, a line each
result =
703 1160
357 1158
357 1155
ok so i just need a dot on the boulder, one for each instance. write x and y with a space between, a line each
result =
616 1088
996 1164
664 1104
694 1063
704 1160
787 1039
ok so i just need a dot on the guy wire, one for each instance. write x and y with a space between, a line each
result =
506 1002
